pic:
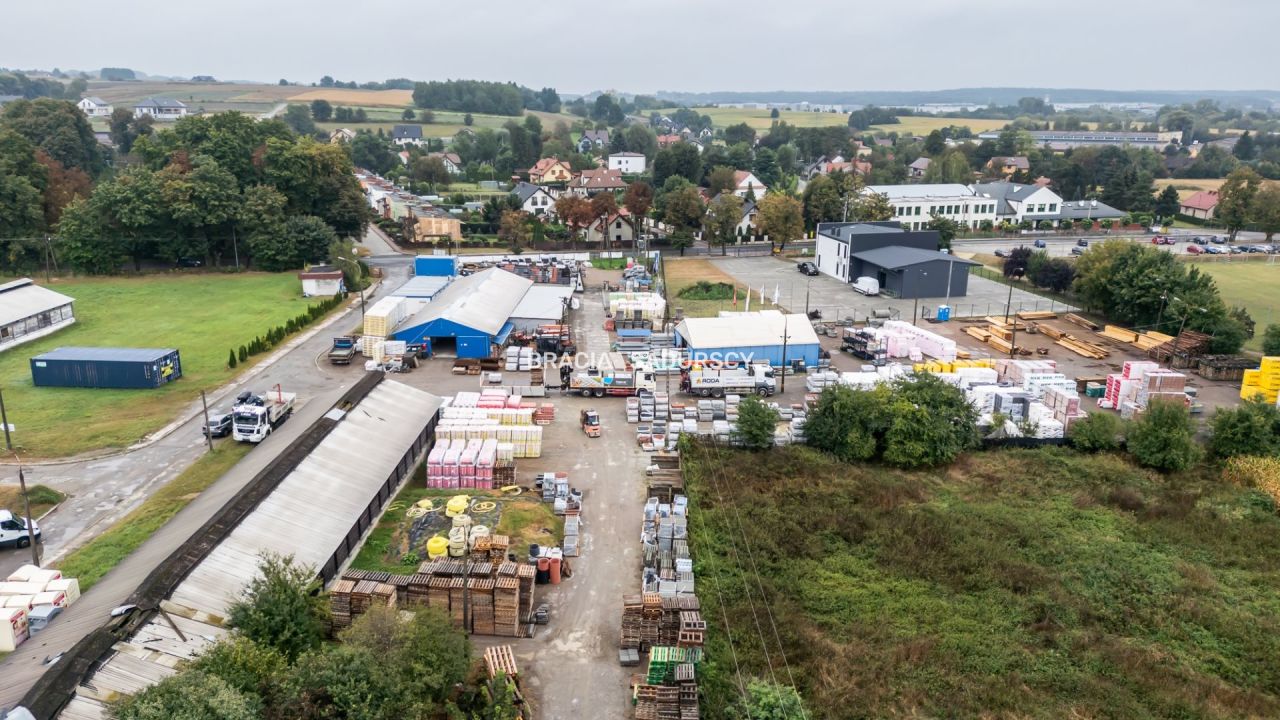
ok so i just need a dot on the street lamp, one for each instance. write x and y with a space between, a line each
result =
22 486
1015 274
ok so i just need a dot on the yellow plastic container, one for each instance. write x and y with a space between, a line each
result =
437 547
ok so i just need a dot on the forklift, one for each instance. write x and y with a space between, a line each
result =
591 423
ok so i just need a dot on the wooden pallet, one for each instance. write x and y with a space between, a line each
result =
498 659
1037 315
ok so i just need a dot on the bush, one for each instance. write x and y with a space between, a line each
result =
1099 432
1163 438
1252 428
756 424
187 696
1271 340
703 290
1260 473
231 359
279 610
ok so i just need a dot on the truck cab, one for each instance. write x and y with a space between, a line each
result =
255 416
13 530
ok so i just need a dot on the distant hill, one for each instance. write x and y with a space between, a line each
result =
981 96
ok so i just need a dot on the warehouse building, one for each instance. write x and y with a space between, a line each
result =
99 367
469 317
28 311
907 272
751 337
542 305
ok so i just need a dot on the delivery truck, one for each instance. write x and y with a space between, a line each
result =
595 382
255 416
344 348
756 378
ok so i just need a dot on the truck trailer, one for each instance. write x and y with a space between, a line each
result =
756 378
598 383
255 416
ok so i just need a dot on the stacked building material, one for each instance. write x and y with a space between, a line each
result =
545 414
636 306
1224 367
1065 406
1263 383
906 340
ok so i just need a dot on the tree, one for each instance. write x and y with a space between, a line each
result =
769 701
427 117
781 218
787 159
468 120
1167 204
1245 147
680 159
683 208
871 207
513 228
740 133
934 143
1017 262
408 115
298 117
1098 432
1163 438
1271 340
822 201
190 695
62 185
278 608
946 229
766 167
1252 428
59 129
637 200
932 423
368 152
1265 212
774 114
721 179
574 211
757 423
231 360
721 222
321 110
426 655
244 665
431 170
1235 198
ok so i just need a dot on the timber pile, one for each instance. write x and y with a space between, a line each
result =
500 592
1037 315
1225 367
1188 344
1119 334
1151 339
1002 323
1003 333
1082 322
981 334
1083 348
1052 332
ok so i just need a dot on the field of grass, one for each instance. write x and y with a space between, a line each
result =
202 315
342 96
923 125
42 498
761 120
1016 584
1189 186
94 560
683 272
1251 285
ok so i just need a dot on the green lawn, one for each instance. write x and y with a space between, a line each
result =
762 120
1030 584
202 315
91 562
1253 285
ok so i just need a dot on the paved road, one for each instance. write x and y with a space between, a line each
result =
104 490
274 111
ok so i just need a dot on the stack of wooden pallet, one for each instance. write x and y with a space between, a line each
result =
500 659
340 604
692 629
482 607
506 606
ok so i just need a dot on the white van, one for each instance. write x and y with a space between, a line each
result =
13 531
867 286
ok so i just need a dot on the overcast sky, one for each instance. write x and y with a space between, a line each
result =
646 45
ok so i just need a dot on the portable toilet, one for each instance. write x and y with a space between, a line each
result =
944 313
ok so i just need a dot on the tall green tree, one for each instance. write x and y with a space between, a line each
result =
822 201
321 110
59 129
279 609
1235 198
298 117
781 218
683 208
946 229
637 200
202 202
721 221
765 167
756 425
1167 204
871 207
679 159
1252 428
1265 210
1271 340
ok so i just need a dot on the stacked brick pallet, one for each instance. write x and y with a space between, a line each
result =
351 598
1264 382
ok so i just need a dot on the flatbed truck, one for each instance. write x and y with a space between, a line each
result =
255 416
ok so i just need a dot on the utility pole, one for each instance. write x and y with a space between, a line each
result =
208 431
22 487
785 336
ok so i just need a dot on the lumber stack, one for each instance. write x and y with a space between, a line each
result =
1051 332
1188 343
1081 321
1037 315
1005 324
1003 333
1151 339
1083 348
980 334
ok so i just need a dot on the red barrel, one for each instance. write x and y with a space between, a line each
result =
555 571
544 570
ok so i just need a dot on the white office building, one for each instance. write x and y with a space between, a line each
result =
914 205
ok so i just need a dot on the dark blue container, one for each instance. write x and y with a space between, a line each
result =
94 367
437 265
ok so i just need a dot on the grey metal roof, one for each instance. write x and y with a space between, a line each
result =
525 190
407 132
746 330
111 354
160 102
844 231
423 286
1088 209
922 191
96 100
21 299
483 301
897 256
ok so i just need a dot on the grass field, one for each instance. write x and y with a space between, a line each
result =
94 560
910 125
1015 584
923 125
42 499
1252 285
683 272
202 315
1189 186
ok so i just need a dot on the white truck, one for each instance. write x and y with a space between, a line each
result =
14 532
755 378
255 416
867 286
598 383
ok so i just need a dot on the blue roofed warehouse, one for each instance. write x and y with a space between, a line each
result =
469 316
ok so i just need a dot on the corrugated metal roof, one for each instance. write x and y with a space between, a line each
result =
314 507
921 191
422 286
21 299
483 301
898 256
746 330
107 353
543 301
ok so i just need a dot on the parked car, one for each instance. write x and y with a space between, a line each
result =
807 268
1082 243
219 425
1162 240
190 262
13 530
1002 253
1039 242
1217 239
1212 250
1264 249
1077 251
1200 240
1195 250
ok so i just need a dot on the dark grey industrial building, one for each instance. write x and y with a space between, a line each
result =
906 263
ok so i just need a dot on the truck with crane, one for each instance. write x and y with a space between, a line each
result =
255 416
709 381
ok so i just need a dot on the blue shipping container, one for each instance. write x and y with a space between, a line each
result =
437 265
106 367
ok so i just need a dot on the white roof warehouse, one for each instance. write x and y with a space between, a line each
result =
28 311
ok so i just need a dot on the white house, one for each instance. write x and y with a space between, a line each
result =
28 311
160 108
914 205
616 230
452 162
95 107
321 281
535 199
407 135
746 183
747 225
628 162
1016 202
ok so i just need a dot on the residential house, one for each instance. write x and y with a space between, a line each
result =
616 230
1016 202
1226 144
342 135
1008 166
452 162
95 107
1201 205
590 182
884 142
668 140
915 205
628 163
747 225
407 135
535 199
593 140
918 167
160 108
28 311
1064 139
747 185
550 170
